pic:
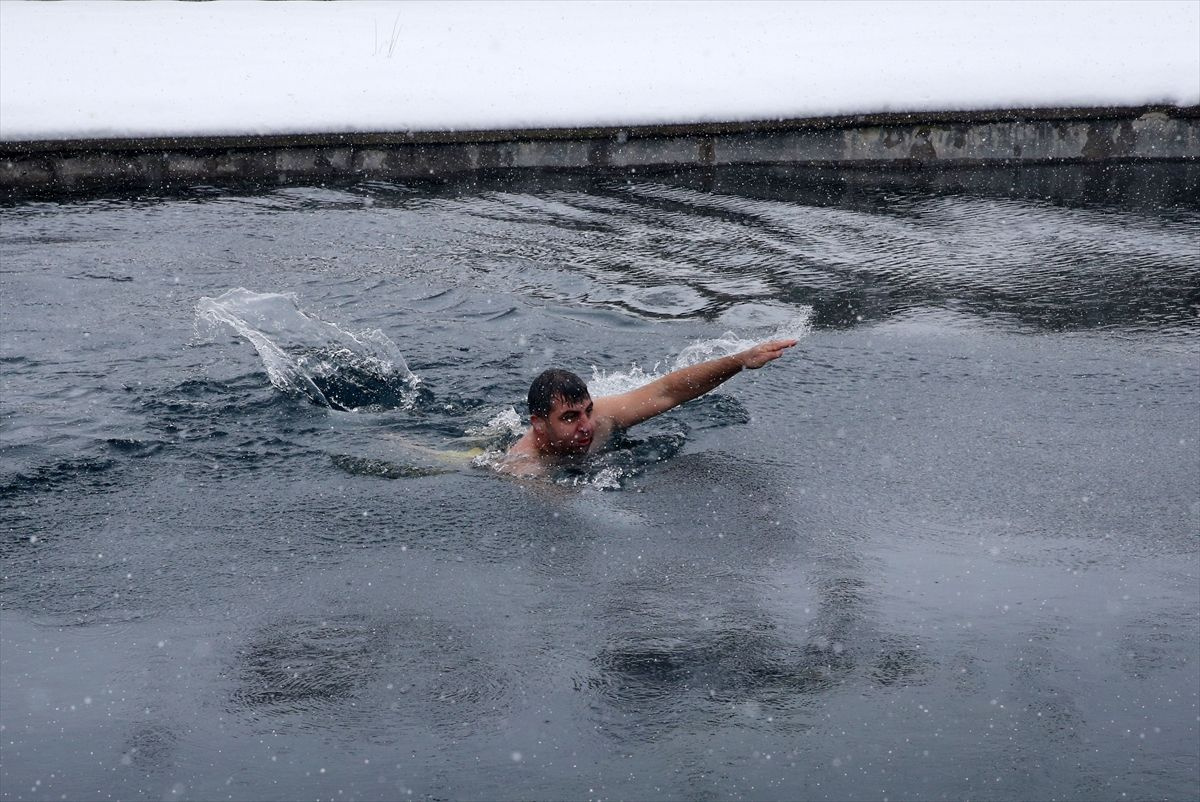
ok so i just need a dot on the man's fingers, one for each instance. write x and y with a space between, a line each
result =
765 352
777 347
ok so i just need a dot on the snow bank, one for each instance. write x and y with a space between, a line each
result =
101 69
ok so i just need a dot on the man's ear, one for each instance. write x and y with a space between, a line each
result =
538 423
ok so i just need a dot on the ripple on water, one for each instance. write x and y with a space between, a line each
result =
58 476
662 301
134 447
1147 645
651 683
346 674
307 666
383 469
723 663
151 746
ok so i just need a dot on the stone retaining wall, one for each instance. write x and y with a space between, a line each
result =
51 168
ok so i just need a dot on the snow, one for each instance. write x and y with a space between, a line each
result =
99 69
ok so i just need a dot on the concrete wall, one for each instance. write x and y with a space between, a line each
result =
62 168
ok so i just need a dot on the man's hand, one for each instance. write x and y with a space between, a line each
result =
761 354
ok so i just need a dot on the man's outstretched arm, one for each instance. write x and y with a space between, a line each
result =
685 384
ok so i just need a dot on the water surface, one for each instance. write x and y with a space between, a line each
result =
945 548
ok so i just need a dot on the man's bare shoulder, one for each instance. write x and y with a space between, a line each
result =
521 459
524 447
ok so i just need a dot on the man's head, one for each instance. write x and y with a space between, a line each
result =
560 412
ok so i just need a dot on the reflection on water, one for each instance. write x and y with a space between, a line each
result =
946 547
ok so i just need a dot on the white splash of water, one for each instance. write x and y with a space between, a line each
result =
504 422
604 479
505 425
296 347
730 342
615 382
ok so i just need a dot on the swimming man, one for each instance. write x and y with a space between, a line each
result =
565 423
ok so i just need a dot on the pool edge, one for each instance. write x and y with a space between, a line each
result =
926 140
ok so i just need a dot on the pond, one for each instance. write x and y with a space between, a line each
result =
946 547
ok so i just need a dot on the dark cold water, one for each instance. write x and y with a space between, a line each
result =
946 548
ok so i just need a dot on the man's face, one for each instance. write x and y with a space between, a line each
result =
568 429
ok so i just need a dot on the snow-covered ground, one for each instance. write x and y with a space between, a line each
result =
98 69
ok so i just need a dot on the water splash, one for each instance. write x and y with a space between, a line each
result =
614 382
494 437
506 423
306 355
607 478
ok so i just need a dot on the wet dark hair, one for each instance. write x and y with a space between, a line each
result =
554 383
